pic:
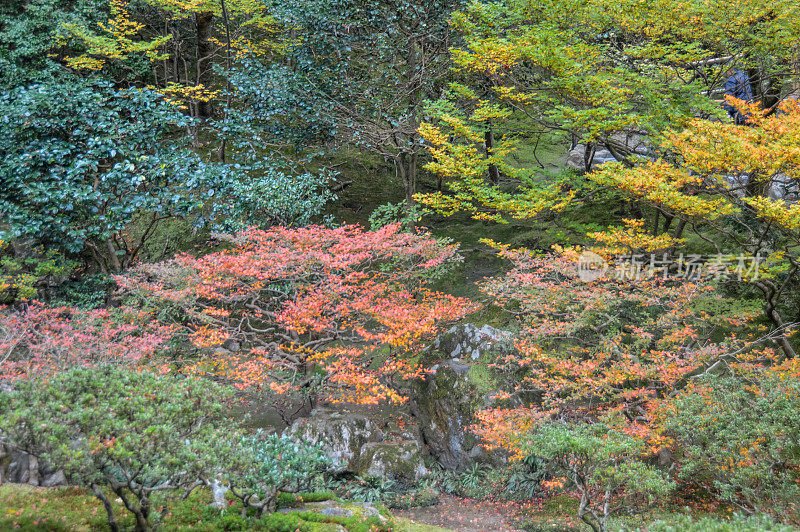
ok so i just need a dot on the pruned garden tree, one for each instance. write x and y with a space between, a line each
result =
270 464
315 312
135 433
38 341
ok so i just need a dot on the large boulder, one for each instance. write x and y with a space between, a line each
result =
444 405
356 445
468 341
19 467
402 461
341 435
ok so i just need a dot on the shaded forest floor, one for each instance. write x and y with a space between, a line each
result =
463 515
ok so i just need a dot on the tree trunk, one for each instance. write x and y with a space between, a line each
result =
140 512
407 167
203 75
112 522
588 156
494 172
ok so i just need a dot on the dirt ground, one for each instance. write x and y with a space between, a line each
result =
463 515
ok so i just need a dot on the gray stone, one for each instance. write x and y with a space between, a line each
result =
19 467
402 461
445 402
369 509
576 158
340 509
470 341
444 406
341 435
231 345
337 512
56 479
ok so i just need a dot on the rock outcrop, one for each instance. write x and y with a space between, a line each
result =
356 445
402 461
445 402
468 341
22 468
444 406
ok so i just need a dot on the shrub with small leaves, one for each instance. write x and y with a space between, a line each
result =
272 464
604 464
739 523
740 439
135 433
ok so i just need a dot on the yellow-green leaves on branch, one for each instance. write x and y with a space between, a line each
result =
118 39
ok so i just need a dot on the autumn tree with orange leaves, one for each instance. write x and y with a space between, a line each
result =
318 313
607 347
604 352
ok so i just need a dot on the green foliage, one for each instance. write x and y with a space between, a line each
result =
136 433
262 193
604 465
525 480
478 481
314 522
392 213
740 440
739 523
30 274
80 160
369 489
271 464
28 33
87 293
328 89
419 498
68 508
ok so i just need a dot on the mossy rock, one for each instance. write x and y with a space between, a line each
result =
444 405
341 435
402 461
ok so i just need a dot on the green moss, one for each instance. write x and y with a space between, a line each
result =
314 522
481 376
289 500
33 509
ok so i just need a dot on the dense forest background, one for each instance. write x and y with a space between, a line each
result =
541 252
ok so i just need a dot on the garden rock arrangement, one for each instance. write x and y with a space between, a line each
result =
21 468
399 460
444 404
356 445
468 341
